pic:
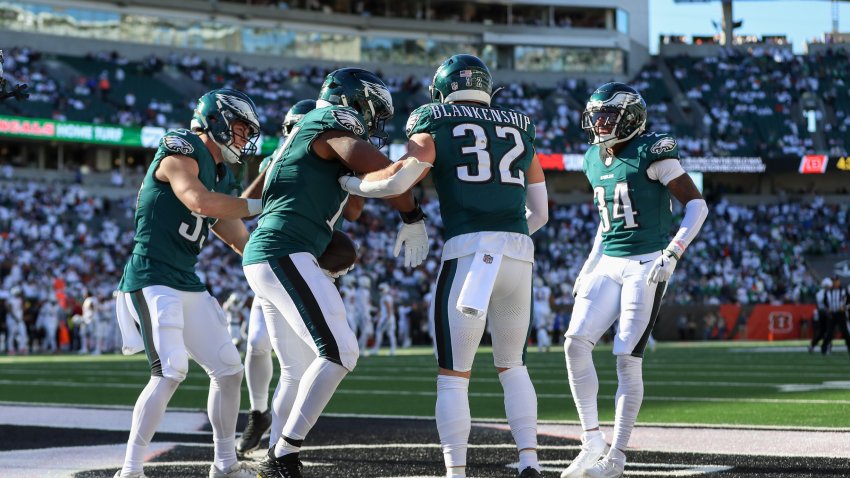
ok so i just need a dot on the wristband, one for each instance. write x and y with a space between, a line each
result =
255 206
415 215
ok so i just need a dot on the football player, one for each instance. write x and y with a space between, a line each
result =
492 196
302 202
258 358
386 324
632 173
160 292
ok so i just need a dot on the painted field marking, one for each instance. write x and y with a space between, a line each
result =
408 393
383 378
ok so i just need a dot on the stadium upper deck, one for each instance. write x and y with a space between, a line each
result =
543 36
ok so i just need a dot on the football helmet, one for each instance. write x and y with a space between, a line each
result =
614 113
364 92
294 115
462 78
215 114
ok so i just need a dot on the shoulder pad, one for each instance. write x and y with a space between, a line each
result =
419 120
178 142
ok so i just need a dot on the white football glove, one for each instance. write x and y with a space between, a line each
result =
662 269
336 275
349 182
415 240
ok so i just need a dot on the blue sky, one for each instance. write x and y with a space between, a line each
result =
800 20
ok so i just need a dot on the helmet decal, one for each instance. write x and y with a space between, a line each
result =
374 89
244 108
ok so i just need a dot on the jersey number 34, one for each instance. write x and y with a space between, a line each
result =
622 207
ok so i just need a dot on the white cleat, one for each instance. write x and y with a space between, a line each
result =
593 447
611 466
238 470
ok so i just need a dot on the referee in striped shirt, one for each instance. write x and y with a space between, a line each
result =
835 303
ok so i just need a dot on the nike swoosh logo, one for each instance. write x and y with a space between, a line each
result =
645 262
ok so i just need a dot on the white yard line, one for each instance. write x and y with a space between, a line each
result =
427 393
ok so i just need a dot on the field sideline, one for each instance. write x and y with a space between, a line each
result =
742 384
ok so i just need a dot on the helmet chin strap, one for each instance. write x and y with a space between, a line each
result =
227 154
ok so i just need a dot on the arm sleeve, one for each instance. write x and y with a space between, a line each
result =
695 213
401 181
537 206
665 170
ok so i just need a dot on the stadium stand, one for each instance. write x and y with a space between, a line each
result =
755 99
83 239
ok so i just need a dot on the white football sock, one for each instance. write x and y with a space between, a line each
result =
453 420
521 410
148 412
584 383
628 399
314 392
258 374
223 409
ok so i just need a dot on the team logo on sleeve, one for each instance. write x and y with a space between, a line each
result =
349 121
411 122
177 144
663 145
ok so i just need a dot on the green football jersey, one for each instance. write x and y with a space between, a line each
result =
302 199
168 235
482 155
635 211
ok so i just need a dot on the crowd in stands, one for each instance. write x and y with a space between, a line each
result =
754 100
749 254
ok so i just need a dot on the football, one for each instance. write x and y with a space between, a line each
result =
340 253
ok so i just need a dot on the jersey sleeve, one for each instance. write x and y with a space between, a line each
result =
661 146
178 142
419 121
345 119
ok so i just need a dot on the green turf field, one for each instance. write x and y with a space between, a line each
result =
695 383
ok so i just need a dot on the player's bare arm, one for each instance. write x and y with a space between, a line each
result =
255 189
399 177
353 208
182 173
684 189
232 232
361 157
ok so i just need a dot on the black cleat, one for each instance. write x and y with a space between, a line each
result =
287 466
258 424
530 472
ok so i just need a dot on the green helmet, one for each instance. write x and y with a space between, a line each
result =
215 114
294 115
614 113
462 78
364 92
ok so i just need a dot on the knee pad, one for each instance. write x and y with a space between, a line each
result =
228 382
176 365
577 350
231 362
349 358
259 344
